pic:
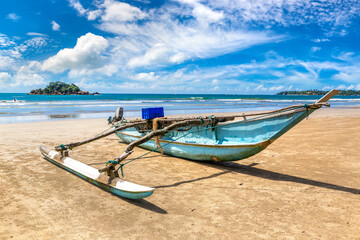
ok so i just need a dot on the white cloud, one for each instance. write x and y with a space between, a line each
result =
344 56
86 56
146 76
262 77
26 75
9 59
4 77
161 39
55 26
36 34
109 10
5 41
120 12
92 15
341 87
13 16
206 14
203 13
158 54
315 49
318 40
332 16
9 53
171 43
348 74
36 42
260 88
215 81
276 88
77 6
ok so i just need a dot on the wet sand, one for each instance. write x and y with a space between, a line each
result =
306 185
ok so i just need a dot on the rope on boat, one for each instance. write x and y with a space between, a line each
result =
121 165
307 111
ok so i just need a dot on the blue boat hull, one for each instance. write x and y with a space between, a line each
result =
226 142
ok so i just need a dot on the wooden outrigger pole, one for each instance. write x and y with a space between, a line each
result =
62 147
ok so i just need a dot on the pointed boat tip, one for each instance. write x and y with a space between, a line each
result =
327 96
44 149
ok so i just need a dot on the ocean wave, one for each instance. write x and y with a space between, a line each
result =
154 101
345 99
12 101
183 100
229 100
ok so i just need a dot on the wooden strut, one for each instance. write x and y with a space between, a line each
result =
157 139
76 144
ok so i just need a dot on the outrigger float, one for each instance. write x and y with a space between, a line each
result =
212 138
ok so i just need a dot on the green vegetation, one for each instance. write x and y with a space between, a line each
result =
320 92
59 88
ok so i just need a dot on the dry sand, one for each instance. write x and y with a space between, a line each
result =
305 185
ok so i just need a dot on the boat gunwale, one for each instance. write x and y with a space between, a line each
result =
267 116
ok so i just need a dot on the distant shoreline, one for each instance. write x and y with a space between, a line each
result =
318 93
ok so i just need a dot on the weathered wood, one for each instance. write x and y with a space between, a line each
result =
119 128
327 96
217 119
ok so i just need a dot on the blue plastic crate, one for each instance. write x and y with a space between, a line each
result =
150 113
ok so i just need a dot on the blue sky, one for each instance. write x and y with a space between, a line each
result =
180 46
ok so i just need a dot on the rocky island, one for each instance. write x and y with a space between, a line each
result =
320 92
60 88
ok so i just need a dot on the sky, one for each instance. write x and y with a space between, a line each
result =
180 46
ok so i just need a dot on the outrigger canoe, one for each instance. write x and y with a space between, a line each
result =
230 141
225 142
210 138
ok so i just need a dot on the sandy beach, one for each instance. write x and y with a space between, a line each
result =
306 185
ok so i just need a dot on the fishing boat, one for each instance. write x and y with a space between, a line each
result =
211 138
229 141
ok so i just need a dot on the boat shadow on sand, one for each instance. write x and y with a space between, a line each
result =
143 204
137 202
250 170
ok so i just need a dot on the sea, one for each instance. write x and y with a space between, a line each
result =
20 107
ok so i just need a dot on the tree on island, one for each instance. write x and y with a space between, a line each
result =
320 92
60 88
